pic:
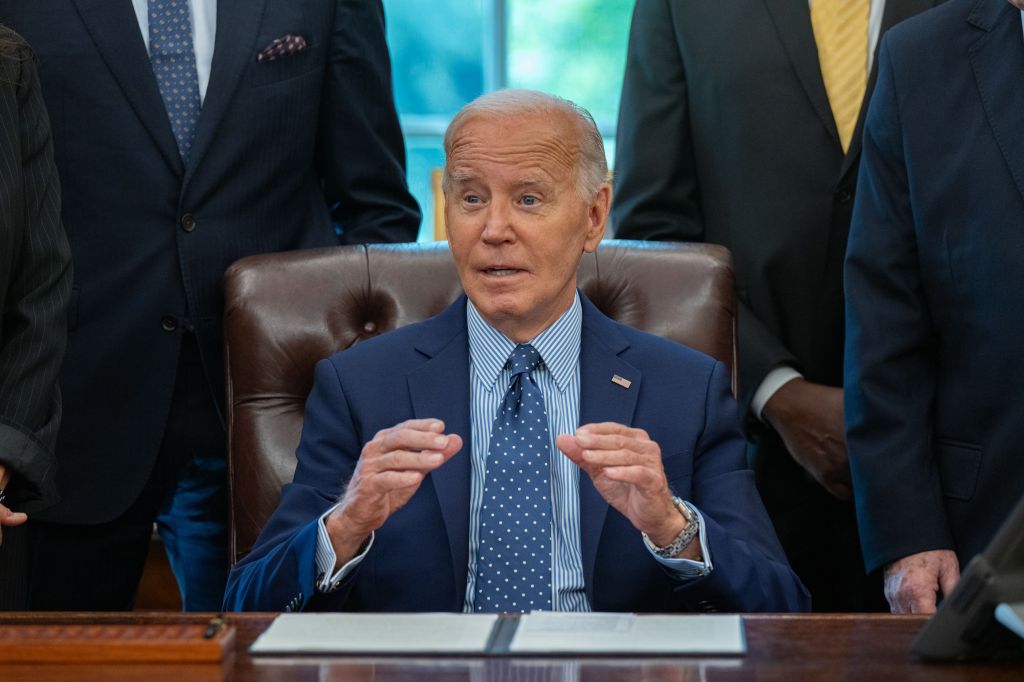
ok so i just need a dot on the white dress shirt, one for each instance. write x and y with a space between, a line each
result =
780 376
204 31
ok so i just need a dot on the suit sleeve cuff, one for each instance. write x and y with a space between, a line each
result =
771 383
688 569
328 580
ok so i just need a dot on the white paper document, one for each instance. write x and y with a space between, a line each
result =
617 633
365 633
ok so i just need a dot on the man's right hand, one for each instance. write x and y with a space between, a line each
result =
389 472
809 418
8 517
912 582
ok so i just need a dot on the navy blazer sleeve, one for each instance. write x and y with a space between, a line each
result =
750 573
890 372
35 284
657 185
362 153
281 569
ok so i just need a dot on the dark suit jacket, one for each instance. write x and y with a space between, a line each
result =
935 286
726 136
35 283
418 561
285 150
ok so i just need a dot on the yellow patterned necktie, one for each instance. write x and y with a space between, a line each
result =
841 34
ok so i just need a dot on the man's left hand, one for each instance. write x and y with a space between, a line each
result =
625 466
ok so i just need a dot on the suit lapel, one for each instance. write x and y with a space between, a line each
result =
601 400
792 21
114 29
440 389
895 12
997 59
238 24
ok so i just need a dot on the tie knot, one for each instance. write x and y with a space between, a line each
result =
524 359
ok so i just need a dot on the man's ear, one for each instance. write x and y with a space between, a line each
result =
597 217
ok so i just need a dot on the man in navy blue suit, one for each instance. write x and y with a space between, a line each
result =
520 450
935 298
188 134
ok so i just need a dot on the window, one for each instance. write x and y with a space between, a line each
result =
445 53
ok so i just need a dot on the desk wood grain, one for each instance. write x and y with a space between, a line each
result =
801 648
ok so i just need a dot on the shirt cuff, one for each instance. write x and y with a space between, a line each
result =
771 383
688 569
326 558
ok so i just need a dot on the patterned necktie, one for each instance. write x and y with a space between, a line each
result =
514 559
841 33
174 63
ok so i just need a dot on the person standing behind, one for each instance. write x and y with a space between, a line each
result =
35 283
189 133
935 298
739 125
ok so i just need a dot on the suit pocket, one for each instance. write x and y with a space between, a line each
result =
285 68
958 468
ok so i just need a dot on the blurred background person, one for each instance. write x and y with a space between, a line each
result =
740 125
189 133
35 283
935 298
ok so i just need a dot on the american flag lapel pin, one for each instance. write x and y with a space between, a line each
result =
621 381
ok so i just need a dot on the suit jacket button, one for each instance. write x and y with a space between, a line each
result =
844 196
188 222
168 323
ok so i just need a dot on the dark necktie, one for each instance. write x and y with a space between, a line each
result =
174 63
514 557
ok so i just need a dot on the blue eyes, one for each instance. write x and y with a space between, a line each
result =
526 200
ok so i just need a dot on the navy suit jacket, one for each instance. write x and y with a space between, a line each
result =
935 286
418 561
285 150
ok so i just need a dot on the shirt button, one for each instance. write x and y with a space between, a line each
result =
168 323
188 222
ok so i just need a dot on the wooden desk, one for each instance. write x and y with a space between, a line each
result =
797 648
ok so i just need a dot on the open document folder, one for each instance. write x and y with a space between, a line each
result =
536 633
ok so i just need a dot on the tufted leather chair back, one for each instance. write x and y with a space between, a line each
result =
286 311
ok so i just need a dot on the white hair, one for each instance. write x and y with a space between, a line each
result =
592 170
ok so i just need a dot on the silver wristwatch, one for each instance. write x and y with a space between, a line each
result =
672 549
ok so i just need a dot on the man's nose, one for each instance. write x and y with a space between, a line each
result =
498 225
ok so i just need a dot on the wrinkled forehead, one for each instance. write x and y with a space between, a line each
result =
543 145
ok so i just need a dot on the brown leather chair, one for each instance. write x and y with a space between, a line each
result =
284 312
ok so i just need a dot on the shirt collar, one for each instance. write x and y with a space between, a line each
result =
558 345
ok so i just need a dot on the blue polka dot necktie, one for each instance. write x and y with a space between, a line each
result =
174 63
514 557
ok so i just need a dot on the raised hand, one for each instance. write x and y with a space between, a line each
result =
390 470
625 466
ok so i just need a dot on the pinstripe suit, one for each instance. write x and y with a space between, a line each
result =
285 151
35 283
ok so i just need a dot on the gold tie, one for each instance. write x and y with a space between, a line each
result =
841 33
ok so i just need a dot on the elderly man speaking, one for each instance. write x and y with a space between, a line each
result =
484 460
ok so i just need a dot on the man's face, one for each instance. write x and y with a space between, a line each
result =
517 224
1019 4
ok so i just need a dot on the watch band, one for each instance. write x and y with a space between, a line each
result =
671 550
